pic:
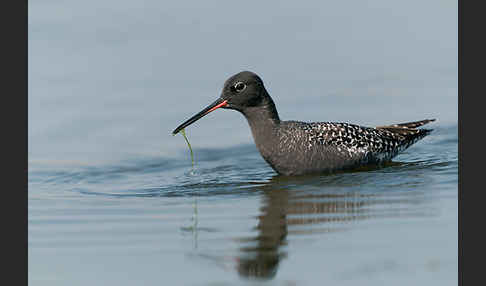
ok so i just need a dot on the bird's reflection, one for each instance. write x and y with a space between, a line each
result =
261 259
291 206
309 205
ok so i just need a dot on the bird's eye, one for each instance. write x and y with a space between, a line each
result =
239 86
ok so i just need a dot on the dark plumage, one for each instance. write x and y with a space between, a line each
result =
295 148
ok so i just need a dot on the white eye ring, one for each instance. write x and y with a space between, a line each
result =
239 86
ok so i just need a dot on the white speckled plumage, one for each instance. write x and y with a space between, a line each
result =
330 146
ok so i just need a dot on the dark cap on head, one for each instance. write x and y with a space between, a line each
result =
242 90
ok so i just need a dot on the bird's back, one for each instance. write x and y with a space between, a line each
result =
328 146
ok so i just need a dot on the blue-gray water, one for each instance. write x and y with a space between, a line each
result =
113 199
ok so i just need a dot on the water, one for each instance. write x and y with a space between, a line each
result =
113 198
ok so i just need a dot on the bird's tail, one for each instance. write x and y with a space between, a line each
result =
413 124
409 130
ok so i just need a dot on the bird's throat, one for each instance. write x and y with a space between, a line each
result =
264 122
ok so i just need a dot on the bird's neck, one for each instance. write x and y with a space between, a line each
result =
264 122
262 117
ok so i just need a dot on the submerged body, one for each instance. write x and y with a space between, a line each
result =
296 148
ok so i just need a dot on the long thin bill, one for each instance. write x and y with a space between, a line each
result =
212 107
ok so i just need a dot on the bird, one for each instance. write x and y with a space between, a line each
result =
300 148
